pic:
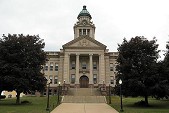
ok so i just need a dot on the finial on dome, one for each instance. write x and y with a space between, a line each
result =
84 7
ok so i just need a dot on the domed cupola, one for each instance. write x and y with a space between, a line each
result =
84 12
84 26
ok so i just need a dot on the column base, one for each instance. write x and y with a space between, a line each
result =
77 85
91 85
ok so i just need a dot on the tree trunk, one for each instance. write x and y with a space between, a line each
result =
146 100
18 98
0 92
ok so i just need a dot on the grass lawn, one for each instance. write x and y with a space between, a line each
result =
156 106
37 105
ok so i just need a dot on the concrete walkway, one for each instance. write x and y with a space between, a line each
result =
84 108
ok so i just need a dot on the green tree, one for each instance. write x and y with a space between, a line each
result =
166 62
165 68
137 66
21 61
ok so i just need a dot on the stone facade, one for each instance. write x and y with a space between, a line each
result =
83 61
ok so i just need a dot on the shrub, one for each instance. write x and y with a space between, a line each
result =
25 102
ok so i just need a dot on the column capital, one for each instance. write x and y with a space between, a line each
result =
77 54
66 54
90 54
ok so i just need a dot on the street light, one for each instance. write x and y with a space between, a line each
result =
58 93
120 82
48 86
64 85
109 94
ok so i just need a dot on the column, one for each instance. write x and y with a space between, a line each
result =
77 69
91 69
66 68
101 69
67 81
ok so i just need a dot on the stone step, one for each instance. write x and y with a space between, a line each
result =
84 99
84 92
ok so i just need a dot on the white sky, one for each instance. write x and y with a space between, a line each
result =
53 20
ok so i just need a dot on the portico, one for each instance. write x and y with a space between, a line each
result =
82 64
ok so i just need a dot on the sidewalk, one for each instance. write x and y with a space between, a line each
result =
84 108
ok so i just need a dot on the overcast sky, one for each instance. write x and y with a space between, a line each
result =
53 20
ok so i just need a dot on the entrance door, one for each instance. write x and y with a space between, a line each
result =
84 81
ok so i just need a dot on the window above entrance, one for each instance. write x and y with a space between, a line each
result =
84 65
73 65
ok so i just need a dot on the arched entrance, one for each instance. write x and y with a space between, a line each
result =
84 81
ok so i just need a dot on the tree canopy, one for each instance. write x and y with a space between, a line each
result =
137 66
165 70
21 61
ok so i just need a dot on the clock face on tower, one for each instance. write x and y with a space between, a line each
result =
84 22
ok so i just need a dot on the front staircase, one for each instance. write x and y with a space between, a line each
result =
83 95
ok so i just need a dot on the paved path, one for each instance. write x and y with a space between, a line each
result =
84 108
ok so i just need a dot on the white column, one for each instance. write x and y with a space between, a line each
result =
77 69
65 69
91 69
101 69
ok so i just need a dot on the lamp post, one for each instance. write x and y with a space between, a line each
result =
109 94
58 93
120 82
64 85
48 86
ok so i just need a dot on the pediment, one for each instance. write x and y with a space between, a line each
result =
84 42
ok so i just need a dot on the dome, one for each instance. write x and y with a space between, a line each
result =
84 12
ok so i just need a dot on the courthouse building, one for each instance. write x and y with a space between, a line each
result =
82 62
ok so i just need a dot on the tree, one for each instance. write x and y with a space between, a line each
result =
137 66
165 68
21 61
166 62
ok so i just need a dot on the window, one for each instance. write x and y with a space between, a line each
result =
94 65
46 77
84 31
51 66
55 92
56 67
51 79
72 79
84 66
80 32
45 91
43 69
115 67
111 67
95 78
73 65
50 92
56 80
46 67
111 79
88 32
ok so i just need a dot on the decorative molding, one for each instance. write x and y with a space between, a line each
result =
84 43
